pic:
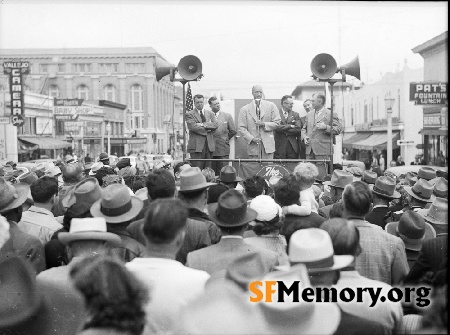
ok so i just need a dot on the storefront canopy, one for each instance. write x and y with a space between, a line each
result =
376 141
43 143
348 142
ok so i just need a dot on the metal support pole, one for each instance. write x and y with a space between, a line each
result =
332 82
389 137
184 120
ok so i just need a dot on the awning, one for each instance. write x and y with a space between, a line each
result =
348 143
44 142
434 132
377 141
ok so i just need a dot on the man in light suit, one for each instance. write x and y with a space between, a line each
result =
222 136
286 146
307 105
201 124
257 121
232 216
317 132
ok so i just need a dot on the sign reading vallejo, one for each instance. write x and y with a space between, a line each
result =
71 106
428 93
15 70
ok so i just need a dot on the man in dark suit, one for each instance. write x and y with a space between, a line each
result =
222 136
317 132
201 124
286 146
232 216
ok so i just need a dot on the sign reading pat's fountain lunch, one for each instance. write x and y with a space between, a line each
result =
428 93
15 70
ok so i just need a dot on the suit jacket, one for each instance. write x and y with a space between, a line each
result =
292 223
431 258
320 139
301 144
383 255
353 324
219 256
249 129
224 132
377 215
284 133
198 135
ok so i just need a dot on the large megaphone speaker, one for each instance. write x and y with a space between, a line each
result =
352 68
163 68
323 66
190 67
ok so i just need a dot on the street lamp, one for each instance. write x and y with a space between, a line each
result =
108 130
389 102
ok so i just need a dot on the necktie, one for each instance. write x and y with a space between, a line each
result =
285 115
202 116
258 111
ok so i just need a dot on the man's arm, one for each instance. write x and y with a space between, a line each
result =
304 129
336 126
213 124
297 129
231 127
195 126
243 127
275 119
399 267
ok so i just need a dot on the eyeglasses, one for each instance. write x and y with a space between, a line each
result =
286 103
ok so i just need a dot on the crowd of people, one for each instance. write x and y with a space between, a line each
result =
105 250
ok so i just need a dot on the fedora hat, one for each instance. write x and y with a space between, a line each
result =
95 167
297 317
12 196
354 170
314 248
231 210
437 213
192 179
86 191
412 229
53 171
422 190
38 167
426 173
117 205
440 188
27 178
89 229
340 179
103 156
228 175
369 177
385 187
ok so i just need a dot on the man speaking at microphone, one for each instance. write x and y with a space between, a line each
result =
257 121
317 132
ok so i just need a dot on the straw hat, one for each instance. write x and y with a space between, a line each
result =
117 205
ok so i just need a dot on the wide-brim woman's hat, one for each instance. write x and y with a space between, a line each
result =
298 317
313 248
340 179
89 229
192 180
385 187
412 229
437 213
228 175
422 190
231 210
12 196
117 205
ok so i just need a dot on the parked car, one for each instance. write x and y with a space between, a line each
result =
399 170
359 164
151 158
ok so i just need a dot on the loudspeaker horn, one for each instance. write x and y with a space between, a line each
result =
324 66
352 68
163 68
190 67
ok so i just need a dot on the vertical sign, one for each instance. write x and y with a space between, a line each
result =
15 70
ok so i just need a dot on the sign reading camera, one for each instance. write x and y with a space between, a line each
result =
15 70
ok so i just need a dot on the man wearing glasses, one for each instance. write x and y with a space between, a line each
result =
286 145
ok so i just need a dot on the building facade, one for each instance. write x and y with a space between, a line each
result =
364 117
121 75
435 111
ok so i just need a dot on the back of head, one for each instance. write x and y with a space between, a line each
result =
306 173
345 236
254 186
71 173
209 174
287 191
164 220
43 189
177 167
215 191
357 199
160 184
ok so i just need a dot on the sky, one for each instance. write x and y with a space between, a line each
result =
240 44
